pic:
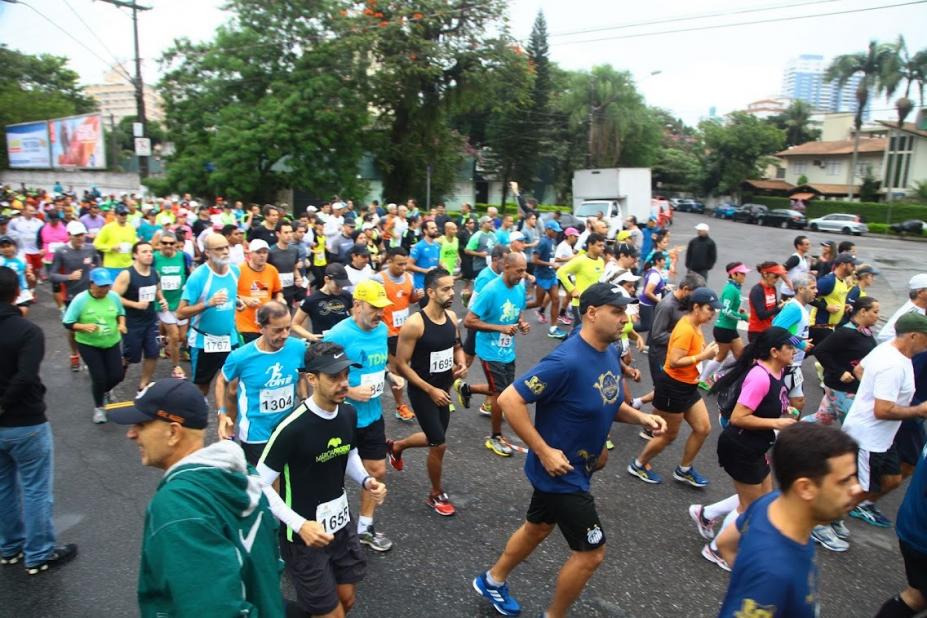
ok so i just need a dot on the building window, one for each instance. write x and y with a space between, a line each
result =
780 173
899 160
801 167
833 167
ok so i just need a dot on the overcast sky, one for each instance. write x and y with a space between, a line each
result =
725 68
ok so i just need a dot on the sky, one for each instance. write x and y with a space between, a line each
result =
679 57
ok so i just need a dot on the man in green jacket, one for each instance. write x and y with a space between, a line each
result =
208 516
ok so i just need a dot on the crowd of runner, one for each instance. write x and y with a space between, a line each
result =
296 323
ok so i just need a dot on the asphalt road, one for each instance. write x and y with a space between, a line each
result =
652 567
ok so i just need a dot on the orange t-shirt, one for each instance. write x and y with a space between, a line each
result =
262 285
689 338
400 293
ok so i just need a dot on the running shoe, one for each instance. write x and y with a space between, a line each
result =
498 446
692 477
840 529
706 527
376 541
441 505
565 320
75 363
404 413
644 473
828 539
704 385
556 333
61 554
871 514
394 459
609 445
498 596
12 559
99 416
463 392
645 434
541 317
712 556
486 408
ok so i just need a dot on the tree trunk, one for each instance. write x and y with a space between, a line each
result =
852 173
887 184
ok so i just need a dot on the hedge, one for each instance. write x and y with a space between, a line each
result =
883 228
870 212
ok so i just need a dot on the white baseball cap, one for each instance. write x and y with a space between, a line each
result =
918 282
257 244
627 276
75 228
516 236
702 227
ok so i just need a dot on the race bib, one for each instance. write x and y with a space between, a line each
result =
374 380
147 293
334 514
54 246
170 282
124 247
287 280
504 341
217 343
275 400
441 361
399 317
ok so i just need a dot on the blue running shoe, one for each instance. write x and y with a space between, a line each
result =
871 514
499 596
692 477
648 475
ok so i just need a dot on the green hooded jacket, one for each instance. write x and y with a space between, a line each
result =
210 541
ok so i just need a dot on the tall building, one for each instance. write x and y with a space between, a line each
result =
803 79
116 97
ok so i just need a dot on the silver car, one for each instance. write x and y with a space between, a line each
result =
845 224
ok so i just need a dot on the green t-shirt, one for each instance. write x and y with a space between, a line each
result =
450 250
104 312
173 273
730 312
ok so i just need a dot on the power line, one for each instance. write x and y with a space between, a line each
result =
123 73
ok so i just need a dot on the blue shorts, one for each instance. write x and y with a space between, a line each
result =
546 283
140 339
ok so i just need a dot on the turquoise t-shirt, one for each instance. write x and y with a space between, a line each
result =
367 348
219 320
498 304
266 386
17 266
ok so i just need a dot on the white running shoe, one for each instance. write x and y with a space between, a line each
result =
99 416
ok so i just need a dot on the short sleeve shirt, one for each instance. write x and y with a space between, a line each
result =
202 285
689 338
326 310
498 304
369 349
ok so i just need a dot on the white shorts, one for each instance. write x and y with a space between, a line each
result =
795 381
170 317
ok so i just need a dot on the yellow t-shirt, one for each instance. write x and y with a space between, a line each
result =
115 242
585 270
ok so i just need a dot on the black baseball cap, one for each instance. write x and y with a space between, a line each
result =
4 219
171 400
7 240
599 294
704 296
359 250
331 363
626 249
121 209
338 273
845 258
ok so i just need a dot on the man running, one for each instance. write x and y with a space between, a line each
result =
257 384
258 285
578 393
430 357
799 263
71 266
586 269
173 267
547 286
284 256
115 241
425 255
794 318
326 306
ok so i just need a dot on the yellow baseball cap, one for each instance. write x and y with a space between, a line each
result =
372 292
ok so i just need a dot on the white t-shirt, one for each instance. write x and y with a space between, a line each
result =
888 375
332 229
888 331
237 254
356 276
564 251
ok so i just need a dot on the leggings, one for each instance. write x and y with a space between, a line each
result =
105 366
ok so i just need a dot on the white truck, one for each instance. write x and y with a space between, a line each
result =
616 192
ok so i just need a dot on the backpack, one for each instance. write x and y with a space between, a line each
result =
727 397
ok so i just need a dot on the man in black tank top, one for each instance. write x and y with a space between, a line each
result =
429 355
140 289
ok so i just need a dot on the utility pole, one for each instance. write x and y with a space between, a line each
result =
138 83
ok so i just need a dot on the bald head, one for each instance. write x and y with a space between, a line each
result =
514 268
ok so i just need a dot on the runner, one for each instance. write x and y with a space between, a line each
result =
363 337
725 330
917 301
652 289
577 390
257 384
207 516
425 256
676 394
799 263
358 266
832 299
585 269
266 230
325 307
774 572
115 241
481 244
53 235
284 256
24 229
98 321
794 318
450 248
430 356
763 300
140 289
8 258
70 267
173 268
547 286
209 300
314 448
258 285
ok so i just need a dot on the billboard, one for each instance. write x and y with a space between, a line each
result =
77 141
27 145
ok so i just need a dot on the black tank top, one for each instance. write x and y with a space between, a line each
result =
773 404
142 287
433 356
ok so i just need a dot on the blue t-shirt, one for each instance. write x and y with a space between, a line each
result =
773 575
266 386
578 391
545 250
498 304
426 254
367 348
19 267
913 512
202 284
502 237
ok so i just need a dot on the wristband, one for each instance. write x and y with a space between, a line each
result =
220 410
364 482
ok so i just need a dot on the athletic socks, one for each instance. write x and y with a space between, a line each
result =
729 520
710 367
492 582
720 509
685 468
363 523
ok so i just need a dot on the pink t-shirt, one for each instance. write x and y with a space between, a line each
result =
755 386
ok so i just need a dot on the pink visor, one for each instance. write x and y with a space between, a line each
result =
738 269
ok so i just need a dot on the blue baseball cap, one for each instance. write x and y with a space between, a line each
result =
171 400
704 296
101 277
554 225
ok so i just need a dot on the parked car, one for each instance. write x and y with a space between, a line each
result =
685 204
750 213
911 226
784 218
697 207
837 222
724 211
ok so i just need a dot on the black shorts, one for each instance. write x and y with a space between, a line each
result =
498 375
317 572
371 441
293 294
742 463
253 451
671 395
206 366
432 419
574 514
871 467
915 567
725 335
910 440
469 344
139 339
391 343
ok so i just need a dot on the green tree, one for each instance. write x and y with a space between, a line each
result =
795 122
910 70
737 149
678 169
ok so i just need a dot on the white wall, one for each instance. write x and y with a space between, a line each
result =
835 168
106 182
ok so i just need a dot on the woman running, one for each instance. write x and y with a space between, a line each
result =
652 287
725 329
764 299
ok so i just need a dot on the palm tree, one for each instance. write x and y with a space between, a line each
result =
794 121
871 64
910 70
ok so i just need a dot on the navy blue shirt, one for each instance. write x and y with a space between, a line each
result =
773 575
913 512
578 391
545 250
